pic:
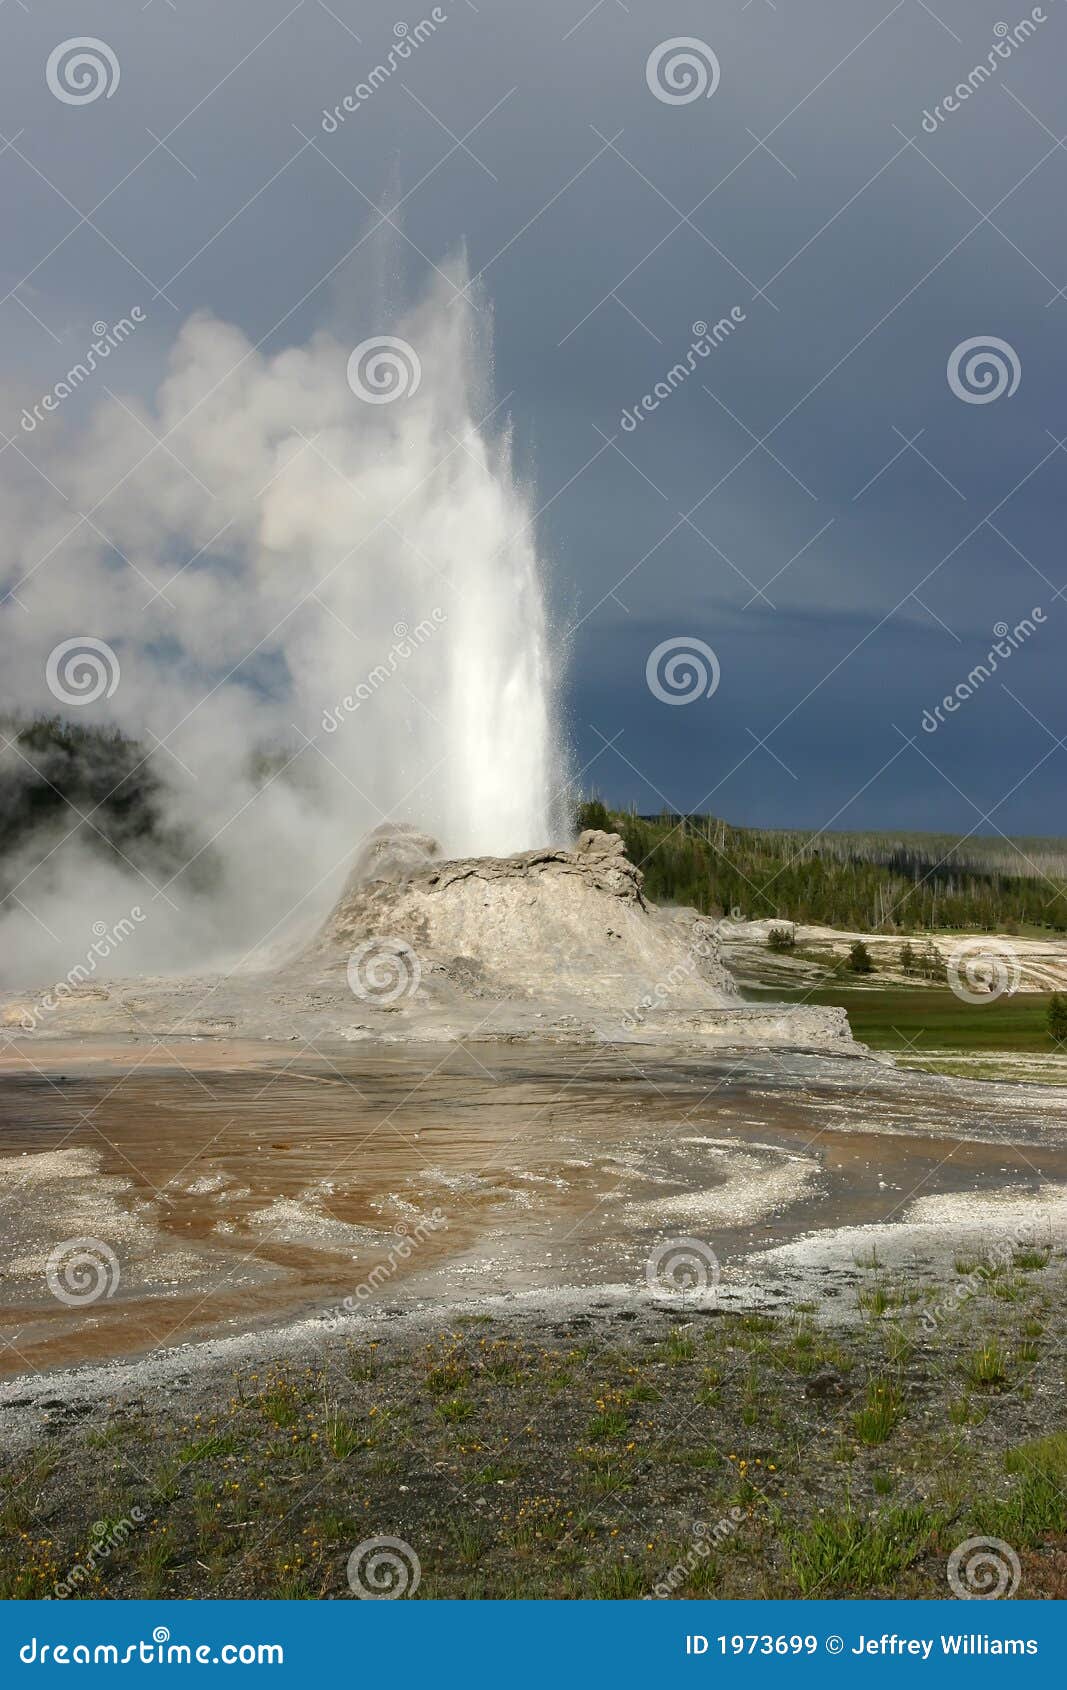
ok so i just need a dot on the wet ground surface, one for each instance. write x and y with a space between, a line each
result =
237 1189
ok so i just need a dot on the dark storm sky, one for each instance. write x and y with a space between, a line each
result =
748 512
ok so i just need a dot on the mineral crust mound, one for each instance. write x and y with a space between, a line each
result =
544 925
556 943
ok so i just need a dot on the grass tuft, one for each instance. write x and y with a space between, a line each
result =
875 1422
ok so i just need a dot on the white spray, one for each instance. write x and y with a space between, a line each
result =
324 597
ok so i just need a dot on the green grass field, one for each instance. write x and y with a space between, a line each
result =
914 1021
894 1020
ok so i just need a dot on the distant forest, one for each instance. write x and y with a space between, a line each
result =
59 780
877 882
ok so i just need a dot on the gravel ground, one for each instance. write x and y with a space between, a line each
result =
587 1446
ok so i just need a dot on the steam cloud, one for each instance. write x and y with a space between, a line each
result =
350 627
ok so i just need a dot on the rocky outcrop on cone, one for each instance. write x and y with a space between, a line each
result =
391 852
551 924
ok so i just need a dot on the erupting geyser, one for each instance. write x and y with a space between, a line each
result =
324 595
452 725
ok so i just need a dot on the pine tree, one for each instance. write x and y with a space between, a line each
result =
859 958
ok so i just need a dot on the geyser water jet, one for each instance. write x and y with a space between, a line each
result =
324 593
